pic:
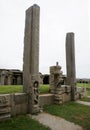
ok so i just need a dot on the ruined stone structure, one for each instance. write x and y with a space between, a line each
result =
15 77
70 63
62 93
55 77
31 58
29 101
83 80
11 77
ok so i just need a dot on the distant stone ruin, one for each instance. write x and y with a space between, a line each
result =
11 77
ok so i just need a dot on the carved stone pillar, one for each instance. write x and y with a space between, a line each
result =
55 77
31 58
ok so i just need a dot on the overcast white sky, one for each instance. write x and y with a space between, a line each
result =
57 17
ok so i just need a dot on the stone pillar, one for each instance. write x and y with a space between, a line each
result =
10 78
31 58
70 63
2 80
19 80
3 75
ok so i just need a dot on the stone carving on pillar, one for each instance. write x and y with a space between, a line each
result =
31 58
70 63
56 83
55 77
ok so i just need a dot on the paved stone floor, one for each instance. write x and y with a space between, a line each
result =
56 123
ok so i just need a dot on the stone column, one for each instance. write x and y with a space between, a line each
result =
3 74
70 63
31 58
19 80
10 78
2 80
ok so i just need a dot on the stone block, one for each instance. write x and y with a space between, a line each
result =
55 69
5 110
20 98
46 99
21 109
4 100
59 92
66 97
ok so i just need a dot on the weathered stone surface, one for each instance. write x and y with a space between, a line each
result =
5 117
11 77
70 63
55 122
5 110
31 57
56 86
20 98
81 92
66 97
55 77
46 99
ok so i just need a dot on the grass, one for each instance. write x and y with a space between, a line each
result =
88 93
44 89
19 89
22 123
86 99
10 89
83 85
74 112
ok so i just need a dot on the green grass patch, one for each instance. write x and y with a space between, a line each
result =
84 85
19 89
22 123
86 99
87 85
88 93
10 89
44 89
74 112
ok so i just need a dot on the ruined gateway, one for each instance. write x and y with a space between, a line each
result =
60 92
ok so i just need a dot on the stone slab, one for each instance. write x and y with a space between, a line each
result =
56 123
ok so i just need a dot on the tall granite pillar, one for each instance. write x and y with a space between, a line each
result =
31 58
70 63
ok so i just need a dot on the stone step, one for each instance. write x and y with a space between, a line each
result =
5 117
4 105
5 110
58 102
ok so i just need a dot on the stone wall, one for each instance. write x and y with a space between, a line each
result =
16 104
12 105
